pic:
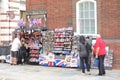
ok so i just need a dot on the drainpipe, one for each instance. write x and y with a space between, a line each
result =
9 19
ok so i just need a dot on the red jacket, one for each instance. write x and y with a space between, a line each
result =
101 44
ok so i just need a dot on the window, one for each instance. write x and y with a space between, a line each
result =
86 18
23 15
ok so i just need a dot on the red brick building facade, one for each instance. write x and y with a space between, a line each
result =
62 13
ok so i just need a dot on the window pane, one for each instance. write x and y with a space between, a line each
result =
92 26
81 6
81 14
92 30
92 14
87 27
91 6
86 14
86 23
86 6
81 23
82 26
87 30
92 23
86 17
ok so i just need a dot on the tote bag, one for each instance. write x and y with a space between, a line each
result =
95 64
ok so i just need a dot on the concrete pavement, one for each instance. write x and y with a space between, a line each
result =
36 72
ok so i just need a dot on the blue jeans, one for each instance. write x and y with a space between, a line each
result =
84 61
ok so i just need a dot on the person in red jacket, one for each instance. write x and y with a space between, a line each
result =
100 52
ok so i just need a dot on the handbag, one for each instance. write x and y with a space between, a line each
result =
95 64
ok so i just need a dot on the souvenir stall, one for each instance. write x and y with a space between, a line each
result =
33 38
55 47
33 34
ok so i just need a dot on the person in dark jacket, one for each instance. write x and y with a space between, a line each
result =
83 54
89 48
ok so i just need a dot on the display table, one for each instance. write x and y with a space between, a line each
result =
51 61
4 50
68 61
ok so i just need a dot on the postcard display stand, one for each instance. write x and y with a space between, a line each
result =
48 37
108 62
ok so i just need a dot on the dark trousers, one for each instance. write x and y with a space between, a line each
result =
23 56
84 61
101 65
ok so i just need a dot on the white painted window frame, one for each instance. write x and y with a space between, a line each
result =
77 17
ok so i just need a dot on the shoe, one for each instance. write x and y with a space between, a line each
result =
103 74
14 64
82 74
23 63
11 64
78 69
88 73
99 75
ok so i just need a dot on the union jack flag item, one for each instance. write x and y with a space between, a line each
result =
31 23
43 62
21 23
60 63
51 63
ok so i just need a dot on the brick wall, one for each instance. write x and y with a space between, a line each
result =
115 46
110 27
59 13
109 15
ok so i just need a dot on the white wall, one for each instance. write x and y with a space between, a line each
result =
4 7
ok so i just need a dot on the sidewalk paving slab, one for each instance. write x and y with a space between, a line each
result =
37 72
